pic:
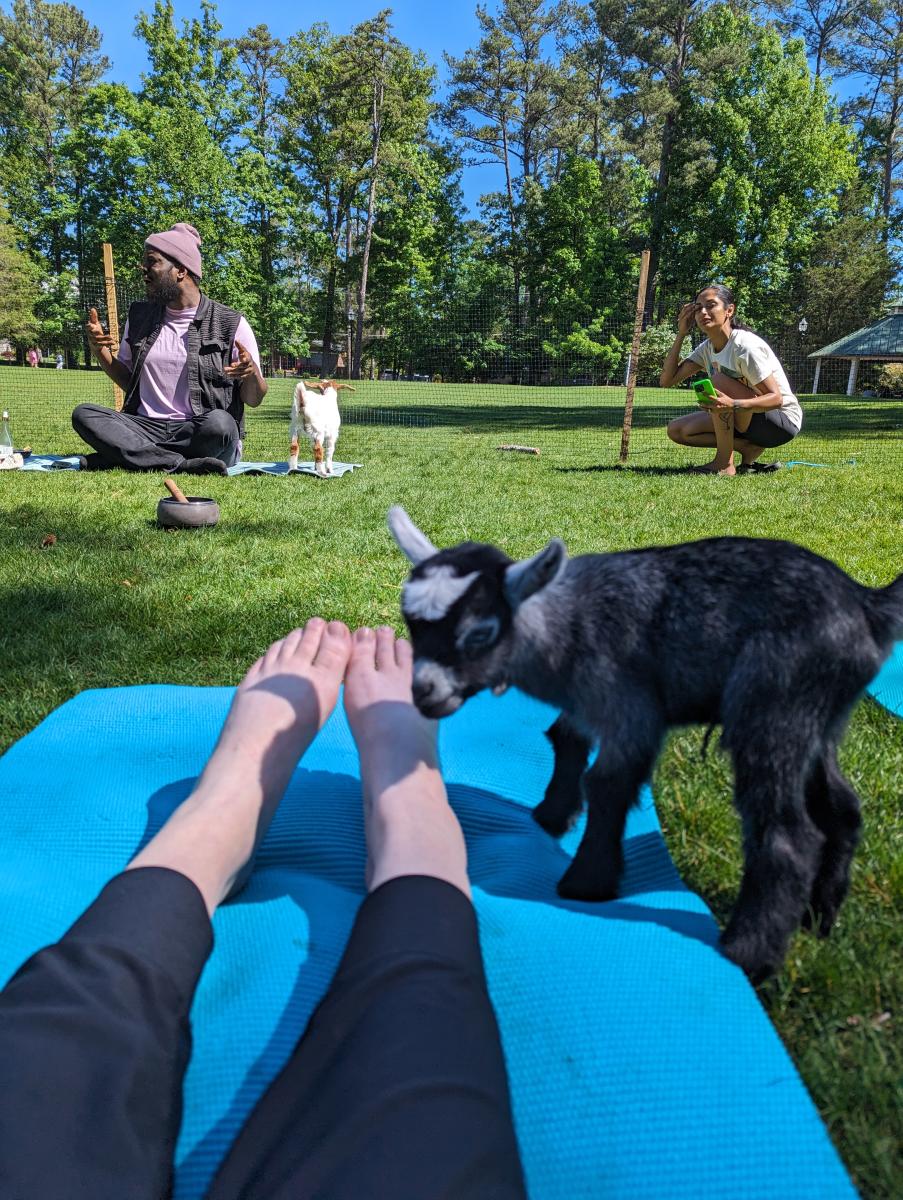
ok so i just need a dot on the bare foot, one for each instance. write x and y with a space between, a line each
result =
409 826
713 468
278 708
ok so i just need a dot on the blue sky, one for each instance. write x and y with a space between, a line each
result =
426 25
431 27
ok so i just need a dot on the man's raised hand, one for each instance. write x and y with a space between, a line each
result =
96 336
243 368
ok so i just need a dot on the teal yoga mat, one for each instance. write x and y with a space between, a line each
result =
887 686
69 462
642 1065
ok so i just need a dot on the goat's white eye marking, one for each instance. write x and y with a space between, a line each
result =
430 597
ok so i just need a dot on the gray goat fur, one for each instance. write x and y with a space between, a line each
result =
765 638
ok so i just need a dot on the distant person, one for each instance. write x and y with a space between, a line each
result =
755 408
32 357
59 362
188 366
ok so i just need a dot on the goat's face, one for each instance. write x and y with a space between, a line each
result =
459 606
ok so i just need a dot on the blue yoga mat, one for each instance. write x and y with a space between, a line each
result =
51 462
642 1065
69 462
887 686
282 468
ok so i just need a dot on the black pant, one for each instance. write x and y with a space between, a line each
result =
397 1090
151 444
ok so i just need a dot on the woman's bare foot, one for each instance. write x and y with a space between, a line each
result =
409 826
714 468
278 709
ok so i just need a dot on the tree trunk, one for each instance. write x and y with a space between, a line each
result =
669 133
329 317
887 182
378 98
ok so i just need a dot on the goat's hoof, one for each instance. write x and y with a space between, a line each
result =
551 821
818 922
573 886
756 966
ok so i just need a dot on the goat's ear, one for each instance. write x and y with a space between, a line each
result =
522 579
415 545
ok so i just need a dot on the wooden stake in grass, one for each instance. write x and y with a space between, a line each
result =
634 357
109 279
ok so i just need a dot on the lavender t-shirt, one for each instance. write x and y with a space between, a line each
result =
163 387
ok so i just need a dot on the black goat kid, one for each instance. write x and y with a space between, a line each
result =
763 637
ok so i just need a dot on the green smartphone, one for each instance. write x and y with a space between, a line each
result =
705 390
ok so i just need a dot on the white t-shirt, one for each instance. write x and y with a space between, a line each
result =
750 359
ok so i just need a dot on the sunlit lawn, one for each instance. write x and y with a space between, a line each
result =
117 601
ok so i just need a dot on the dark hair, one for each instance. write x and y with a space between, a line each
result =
726 296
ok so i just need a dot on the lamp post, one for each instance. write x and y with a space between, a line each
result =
802 327
350 316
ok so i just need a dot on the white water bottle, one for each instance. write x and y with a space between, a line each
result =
6 441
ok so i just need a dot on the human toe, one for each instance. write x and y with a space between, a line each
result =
334 648
385 648
404 656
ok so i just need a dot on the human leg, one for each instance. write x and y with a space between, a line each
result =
124 439
214 435
410 828
765 431
94 1032
94 1043
398 1087
692 429
138 443
278 708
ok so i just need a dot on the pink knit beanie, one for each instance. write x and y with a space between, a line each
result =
181 243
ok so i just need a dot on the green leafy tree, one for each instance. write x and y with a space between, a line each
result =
746 208
508 102
822 24
848 275
50 62
356 110
186 123
661 69
261 277
872 51
581 271
394 87
18 287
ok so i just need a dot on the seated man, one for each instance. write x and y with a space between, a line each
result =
188 366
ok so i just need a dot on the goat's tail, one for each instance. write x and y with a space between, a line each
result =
886 610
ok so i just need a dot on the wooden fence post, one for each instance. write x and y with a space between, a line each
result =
109 279
634 357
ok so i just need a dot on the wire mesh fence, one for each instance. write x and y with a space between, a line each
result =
505 373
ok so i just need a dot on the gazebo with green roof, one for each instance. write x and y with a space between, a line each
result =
882 341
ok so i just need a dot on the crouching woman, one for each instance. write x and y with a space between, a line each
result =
755 408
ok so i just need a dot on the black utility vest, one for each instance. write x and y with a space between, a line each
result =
210 338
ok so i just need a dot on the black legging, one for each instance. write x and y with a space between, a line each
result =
396 1090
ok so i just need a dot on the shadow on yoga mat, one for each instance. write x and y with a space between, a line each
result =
641 1063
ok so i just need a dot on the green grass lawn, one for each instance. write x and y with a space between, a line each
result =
117 601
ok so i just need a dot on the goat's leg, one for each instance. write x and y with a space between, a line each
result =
561 803
782 851
329 445
611 788
833 807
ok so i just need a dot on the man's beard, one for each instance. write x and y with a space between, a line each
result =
164 293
